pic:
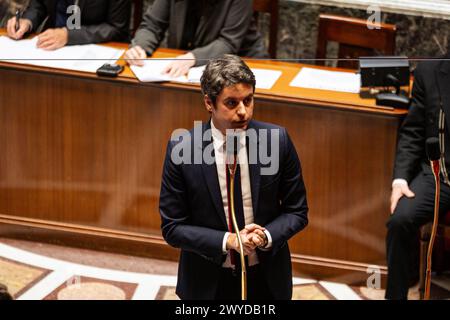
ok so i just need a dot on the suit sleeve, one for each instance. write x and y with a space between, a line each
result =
292 194
176 216
231 35
36 13
153 27
411 139
115 28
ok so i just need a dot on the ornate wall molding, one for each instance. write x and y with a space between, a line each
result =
424 8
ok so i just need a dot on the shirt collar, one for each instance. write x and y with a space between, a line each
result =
220 138
216 134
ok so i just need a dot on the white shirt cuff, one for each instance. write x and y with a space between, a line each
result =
224 242
269 240
400 182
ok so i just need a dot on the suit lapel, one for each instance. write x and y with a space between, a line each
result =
212 180
51 13
254 171
202 27
81 4
180 9
51 5
52 8
443 81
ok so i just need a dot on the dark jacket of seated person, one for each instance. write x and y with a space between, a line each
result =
101 20
206 28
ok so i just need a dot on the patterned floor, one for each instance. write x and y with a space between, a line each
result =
31 276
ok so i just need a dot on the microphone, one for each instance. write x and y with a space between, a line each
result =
433 149
232 150
434 154
232 141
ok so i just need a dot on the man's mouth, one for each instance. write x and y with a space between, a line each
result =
241 123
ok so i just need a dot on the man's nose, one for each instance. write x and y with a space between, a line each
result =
242 111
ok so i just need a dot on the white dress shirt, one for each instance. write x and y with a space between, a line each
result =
400 182
218 141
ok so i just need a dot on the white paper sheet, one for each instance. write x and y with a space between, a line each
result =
87 58
265 79
151 72
327 80
195 74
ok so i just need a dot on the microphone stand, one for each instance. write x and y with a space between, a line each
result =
232 171
435 169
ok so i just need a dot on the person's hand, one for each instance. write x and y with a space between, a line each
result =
256 235
252 236
247 245
180 66
398 191
135 56
25 26
52 39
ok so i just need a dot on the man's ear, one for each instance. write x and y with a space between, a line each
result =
208 103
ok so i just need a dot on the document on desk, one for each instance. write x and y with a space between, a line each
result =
327 80
86 58
265 79
152 72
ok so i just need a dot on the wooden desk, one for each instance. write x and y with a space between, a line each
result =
81 160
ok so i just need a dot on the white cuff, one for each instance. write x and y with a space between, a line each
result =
224 242
400 182
269 240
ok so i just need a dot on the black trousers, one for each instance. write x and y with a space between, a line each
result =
229 287
403 232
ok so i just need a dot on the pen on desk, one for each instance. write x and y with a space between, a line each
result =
18 17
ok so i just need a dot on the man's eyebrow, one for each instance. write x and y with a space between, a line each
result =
237 98
232 97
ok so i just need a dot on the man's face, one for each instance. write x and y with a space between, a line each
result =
234 107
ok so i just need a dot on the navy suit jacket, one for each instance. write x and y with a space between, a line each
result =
193 216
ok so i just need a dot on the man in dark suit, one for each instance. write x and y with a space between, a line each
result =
412 199
205 28
270 196
101 21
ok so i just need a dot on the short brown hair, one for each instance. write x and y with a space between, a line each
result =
223 72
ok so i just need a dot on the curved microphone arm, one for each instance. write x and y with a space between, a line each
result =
232 171
435 169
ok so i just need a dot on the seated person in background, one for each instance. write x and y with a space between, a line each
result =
205 28
101 21
413 188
